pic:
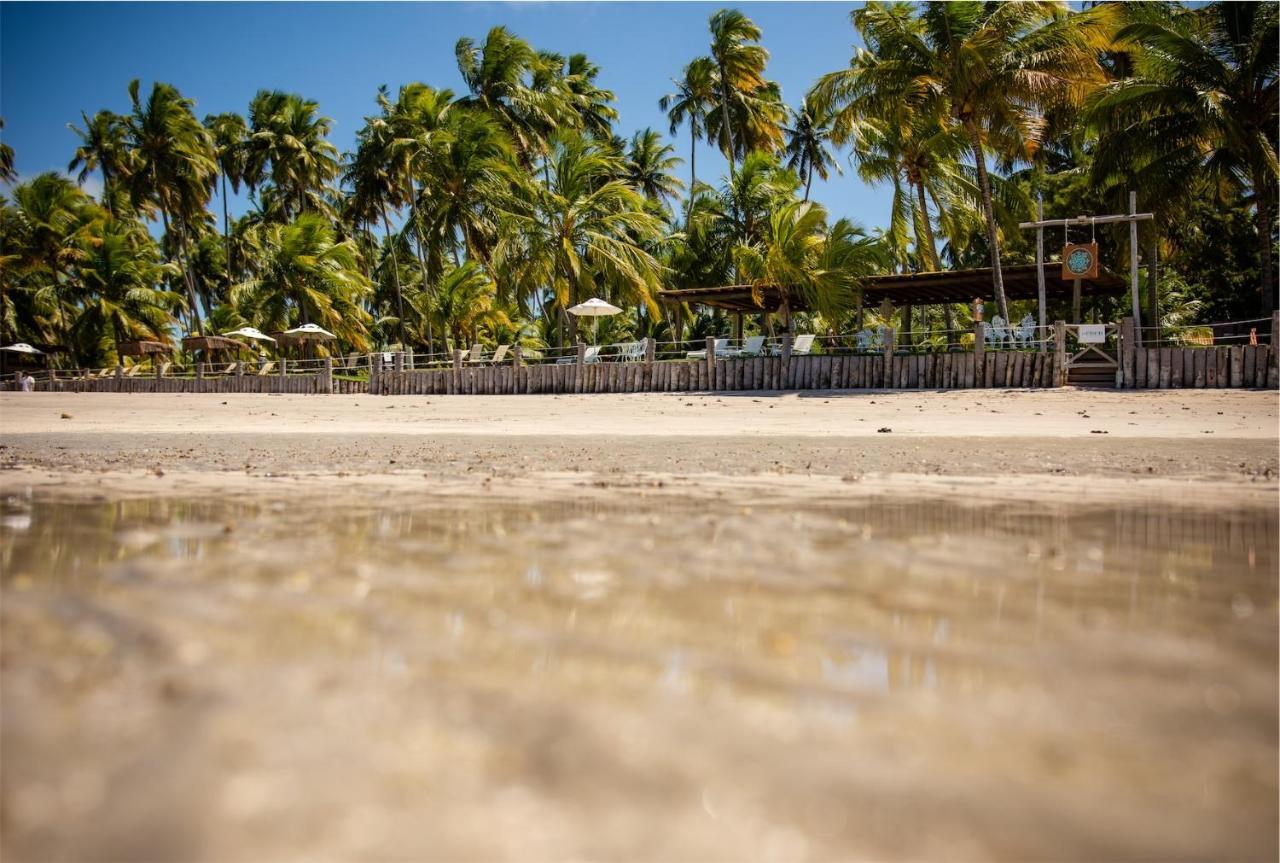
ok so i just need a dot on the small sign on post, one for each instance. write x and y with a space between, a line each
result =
1079 261
1091 334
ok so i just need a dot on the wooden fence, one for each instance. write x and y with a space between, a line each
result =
1208 367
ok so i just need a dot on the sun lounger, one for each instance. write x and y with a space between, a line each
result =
800 347
475 355
132 370
750 348
266 368
721 348
592 355
499 355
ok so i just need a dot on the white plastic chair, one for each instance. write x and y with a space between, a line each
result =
721 348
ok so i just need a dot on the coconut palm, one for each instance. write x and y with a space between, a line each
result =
990 69
288 144
805 262
693 98
120 277
305 275
1202 103
585 233
172 163
462 303
102 148
739 66
648 167
808 148
7 172
230 136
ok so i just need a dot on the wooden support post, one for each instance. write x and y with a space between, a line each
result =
1153 301
398 362
890 342
199 371
711 362
1040 292
1133 268
517 358
1075 301
581 359
737 327
785 383
979 353
1127 348
906 324
1060 353
326 381
239 368
283 362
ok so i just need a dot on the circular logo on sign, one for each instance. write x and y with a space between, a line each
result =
1079 261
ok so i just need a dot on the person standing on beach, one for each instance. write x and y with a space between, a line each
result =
26 383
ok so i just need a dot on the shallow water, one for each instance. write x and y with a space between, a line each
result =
253 678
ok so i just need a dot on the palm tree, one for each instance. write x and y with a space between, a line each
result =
288 142
119 271
808 147
7 172
102 148
305 275
172 164
649 166
370 177
989 69
693 98
463 302
739 65
230 136
584 233
1202 103
500 79
801 259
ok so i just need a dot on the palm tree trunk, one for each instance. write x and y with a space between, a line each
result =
808 182
395 272
226 227
422 254
194 316
1262 194
988 211
927 242
693 165
728 119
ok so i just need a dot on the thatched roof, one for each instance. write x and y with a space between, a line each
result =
948 286
143 348
213 343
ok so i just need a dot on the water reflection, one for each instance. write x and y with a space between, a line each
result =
1037 681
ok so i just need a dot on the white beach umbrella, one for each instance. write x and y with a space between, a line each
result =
250 333
595 309
21 348
310 331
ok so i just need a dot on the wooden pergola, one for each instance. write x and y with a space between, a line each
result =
904 290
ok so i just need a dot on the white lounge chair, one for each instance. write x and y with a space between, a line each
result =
265 368
801 346
751 347
475 355
721 348
499 355
592 355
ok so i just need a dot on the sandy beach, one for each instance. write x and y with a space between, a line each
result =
898 626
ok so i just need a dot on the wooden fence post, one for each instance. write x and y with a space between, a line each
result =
1060 353
199 371
326 381
711 362
457 370
890 344
979 354
398 362
1273 367
785 383
239 368
650 353
517 358
581 357
1127 346
283 363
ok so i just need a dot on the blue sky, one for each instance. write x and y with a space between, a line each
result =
57 59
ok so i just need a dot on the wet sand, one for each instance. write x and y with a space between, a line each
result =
639 627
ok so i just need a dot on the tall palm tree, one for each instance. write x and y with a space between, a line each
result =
463 302
990 69
1202 103
370 176
584 233
694 95
739 65
172 165
288 143
230 136
808 147
649 165
102 148
500 79
7 172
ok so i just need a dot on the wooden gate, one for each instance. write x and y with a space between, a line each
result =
1093 364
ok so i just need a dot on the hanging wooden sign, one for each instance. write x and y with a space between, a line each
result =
1079 261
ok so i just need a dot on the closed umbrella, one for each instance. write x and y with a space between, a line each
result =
595 309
